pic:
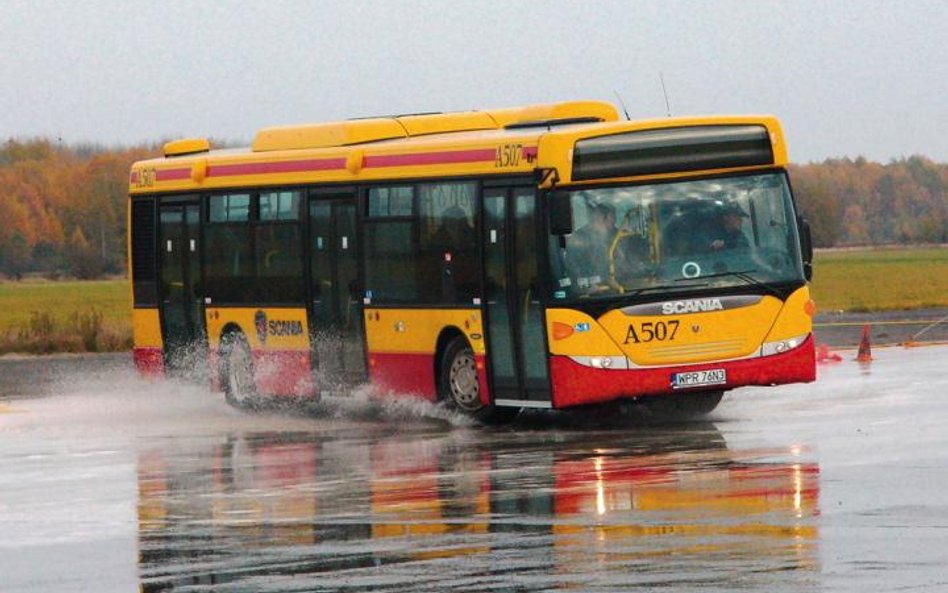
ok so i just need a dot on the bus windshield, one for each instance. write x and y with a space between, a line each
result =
723 232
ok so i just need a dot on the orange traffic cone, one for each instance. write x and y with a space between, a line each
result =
865 350
823 354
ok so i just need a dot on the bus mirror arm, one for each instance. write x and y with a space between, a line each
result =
561 214
806 247
546 177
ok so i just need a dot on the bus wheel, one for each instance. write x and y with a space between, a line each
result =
682 406
237 372
460 386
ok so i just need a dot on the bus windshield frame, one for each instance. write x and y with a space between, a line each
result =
726 233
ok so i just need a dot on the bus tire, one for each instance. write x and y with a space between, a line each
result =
236 372
459 384
682 406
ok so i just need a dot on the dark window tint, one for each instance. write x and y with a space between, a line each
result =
282 205
229 208
229 266
279 262
391 271
253 248
144 269
448 248
391 201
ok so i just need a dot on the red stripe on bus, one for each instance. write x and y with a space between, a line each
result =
172 174
431 158
150 362
300 166
575 384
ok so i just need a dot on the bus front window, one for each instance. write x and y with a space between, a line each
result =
719 233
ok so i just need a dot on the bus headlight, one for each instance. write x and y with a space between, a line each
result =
781 346
603 362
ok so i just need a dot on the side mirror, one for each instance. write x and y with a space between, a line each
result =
806 247
561 214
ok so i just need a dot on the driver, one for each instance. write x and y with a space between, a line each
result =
727 229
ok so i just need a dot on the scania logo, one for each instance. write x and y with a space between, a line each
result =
692 306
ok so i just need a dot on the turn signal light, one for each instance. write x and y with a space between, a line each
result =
809 307
561 331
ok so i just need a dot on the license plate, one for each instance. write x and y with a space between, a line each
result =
699 378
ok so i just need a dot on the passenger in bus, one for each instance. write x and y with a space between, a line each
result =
630 258
453 248
455 230
587 249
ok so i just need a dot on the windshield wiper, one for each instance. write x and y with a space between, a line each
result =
645 289
744 275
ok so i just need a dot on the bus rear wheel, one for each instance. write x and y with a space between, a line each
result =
459 384
682 406
236 373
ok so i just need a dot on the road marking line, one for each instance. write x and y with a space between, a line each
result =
873 323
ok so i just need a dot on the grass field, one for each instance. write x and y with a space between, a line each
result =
45 316
68 316
880 279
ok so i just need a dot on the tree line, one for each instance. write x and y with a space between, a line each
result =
63 208
859 202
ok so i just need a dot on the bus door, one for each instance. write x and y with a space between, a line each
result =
182 307
516 341
335 296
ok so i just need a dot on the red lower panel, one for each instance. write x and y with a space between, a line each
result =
575 384
150 362
414 374
408 374
283 372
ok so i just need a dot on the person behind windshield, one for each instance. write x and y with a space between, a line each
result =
727 229
587 255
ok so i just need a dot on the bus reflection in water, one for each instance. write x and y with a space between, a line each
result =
424 513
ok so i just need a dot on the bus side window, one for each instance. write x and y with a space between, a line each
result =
228 258
390 260
448 242
278 247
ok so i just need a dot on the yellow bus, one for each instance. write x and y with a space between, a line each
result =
546 256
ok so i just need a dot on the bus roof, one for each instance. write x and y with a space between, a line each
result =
514 141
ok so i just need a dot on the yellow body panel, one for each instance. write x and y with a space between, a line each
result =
699 337
686 338
416 331
422 125
453 144
285 328
795 319
186 146
595 341
324 135
146 328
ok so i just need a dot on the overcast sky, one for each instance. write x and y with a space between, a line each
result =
846 77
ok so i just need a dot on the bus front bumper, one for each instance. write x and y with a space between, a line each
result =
575 384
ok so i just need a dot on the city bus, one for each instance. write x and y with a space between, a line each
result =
547 256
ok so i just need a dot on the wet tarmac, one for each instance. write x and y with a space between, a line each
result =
844 329
112 483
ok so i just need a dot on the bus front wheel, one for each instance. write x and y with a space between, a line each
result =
236 374
459 384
